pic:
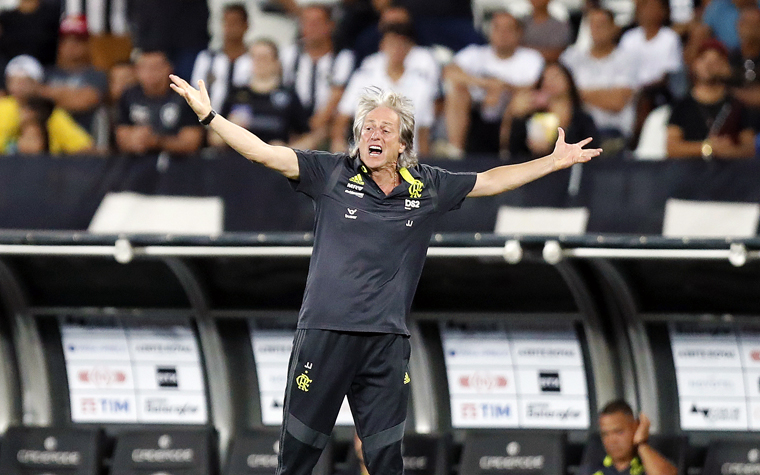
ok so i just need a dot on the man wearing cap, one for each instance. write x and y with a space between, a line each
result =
74 84
30 28
709 122
23 78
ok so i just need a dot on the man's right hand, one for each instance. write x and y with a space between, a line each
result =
641 436
197 99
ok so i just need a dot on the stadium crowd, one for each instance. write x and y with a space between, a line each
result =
75 84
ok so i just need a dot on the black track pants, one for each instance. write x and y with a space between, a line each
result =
372 369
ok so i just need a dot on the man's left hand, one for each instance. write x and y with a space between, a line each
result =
566 154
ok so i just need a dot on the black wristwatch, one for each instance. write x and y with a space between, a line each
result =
207 120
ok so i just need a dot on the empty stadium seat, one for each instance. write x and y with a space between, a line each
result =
732 457
175 452
653 139
513 452
710 219
53 451
541 221
255 453
672 447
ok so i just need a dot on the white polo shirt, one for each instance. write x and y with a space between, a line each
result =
657 57
616 70
420 83
522 69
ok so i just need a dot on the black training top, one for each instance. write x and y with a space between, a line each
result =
369 248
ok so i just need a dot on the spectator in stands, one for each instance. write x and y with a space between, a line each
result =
718 21
606 79
315 70
108 23
660 58
529 127
480 82
625 443
31 28
354 17
265 107
73 83
402 67
368 41
745 62
545 33
710 122
121 77
448 23
179 28
151 118
23 77
229 66
33 135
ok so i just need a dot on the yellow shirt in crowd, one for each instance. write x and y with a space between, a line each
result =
65 135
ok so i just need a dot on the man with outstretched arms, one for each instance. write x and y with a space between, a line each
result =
376 209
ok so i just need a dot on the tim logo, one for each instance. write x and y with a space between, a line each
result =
105 406
549 381
167 377
411 204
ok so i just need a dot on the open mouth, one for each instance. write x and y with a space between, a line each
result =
375 150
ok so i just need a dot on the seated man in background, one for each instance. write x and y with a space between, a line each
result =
314 69
660 59
402 67
606 79
265 107
229 66
23 79
151 117
745 62
710 122
625 444
544 33
480 83
74 84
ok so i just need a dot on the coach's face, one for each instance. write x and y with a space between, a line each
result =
380 140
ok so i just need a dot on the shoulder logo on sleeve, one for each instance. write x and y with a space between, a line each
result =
351 213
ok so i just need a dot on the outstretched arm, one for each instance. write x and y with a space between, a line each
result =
508 177
281 159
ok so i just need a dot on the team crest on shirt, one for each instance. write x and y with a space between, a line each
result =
415 189
169 115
